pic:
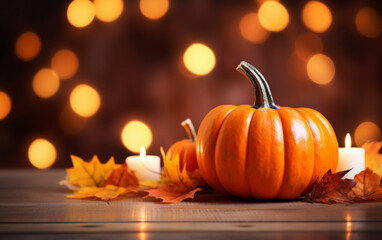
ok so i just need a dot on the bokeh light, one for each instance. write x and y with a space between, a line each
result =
5 105
368 22
28 46
65 63
135 135
320 69
46 83
80 13
153 9
108 10
85 100
308 44
366 131
42 153
199 59
316 16
251 29
273 16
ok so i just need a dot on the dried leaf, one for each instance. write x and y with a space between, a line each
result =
332 188
154 184
189 179
104 193
368 187
69 185
373 159
89 174
121 177
172 193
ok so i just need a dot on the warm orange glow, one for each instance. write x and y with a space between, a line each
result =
42 153
27 46
108 10
5 105
80 13
273 16
366 131
65 63
368 22
153 9
308 44
85 100
199 59
135 135
316 16
320 69
251 29
46 83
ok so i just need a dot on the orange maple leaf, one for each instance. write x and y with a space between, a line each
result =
121 177
89 174
332 188
172 193
368 187
373 159
190 179
104 193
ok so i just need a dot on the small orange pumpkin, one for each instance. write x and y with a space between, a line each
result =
264 151
180 162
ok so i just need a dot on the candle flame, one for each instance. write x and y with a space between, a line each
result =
347 141
142 152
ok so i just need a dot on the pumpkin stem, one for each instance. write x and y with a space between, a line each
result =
187 124
264 97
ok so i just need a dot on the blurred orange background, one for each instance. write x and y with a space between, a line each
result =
108 76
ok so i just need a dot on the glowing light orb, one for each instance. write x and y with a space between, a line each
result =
85 100
28 46
366 131
108 10
80 13
65 63
199 59
5 105
316 16
46 83
251 29
320 69
153 9
135 135
368 22
42 153
273 16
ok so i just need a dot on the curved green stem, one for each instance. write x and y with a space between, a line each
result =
189 127
264 97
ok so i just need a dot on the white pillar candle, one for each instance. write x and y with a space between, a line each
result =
144 167
351 158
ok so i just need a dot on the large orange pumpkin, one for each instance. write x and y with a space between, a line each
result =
264 151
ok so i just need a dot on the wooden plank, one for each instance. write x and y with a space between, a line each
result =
32 196
190 227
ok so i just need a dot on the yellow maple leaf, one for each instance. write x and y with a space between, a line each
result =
89 174
189 179
105 193
373 159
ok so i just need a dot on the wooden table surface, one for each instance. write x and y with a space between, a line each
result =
33 206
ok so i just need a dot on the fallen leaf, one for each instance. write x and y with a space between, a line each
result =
368 187
172 169
332 188
172 193
121 177
373 159
153 183
69 185
89 174
104 193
